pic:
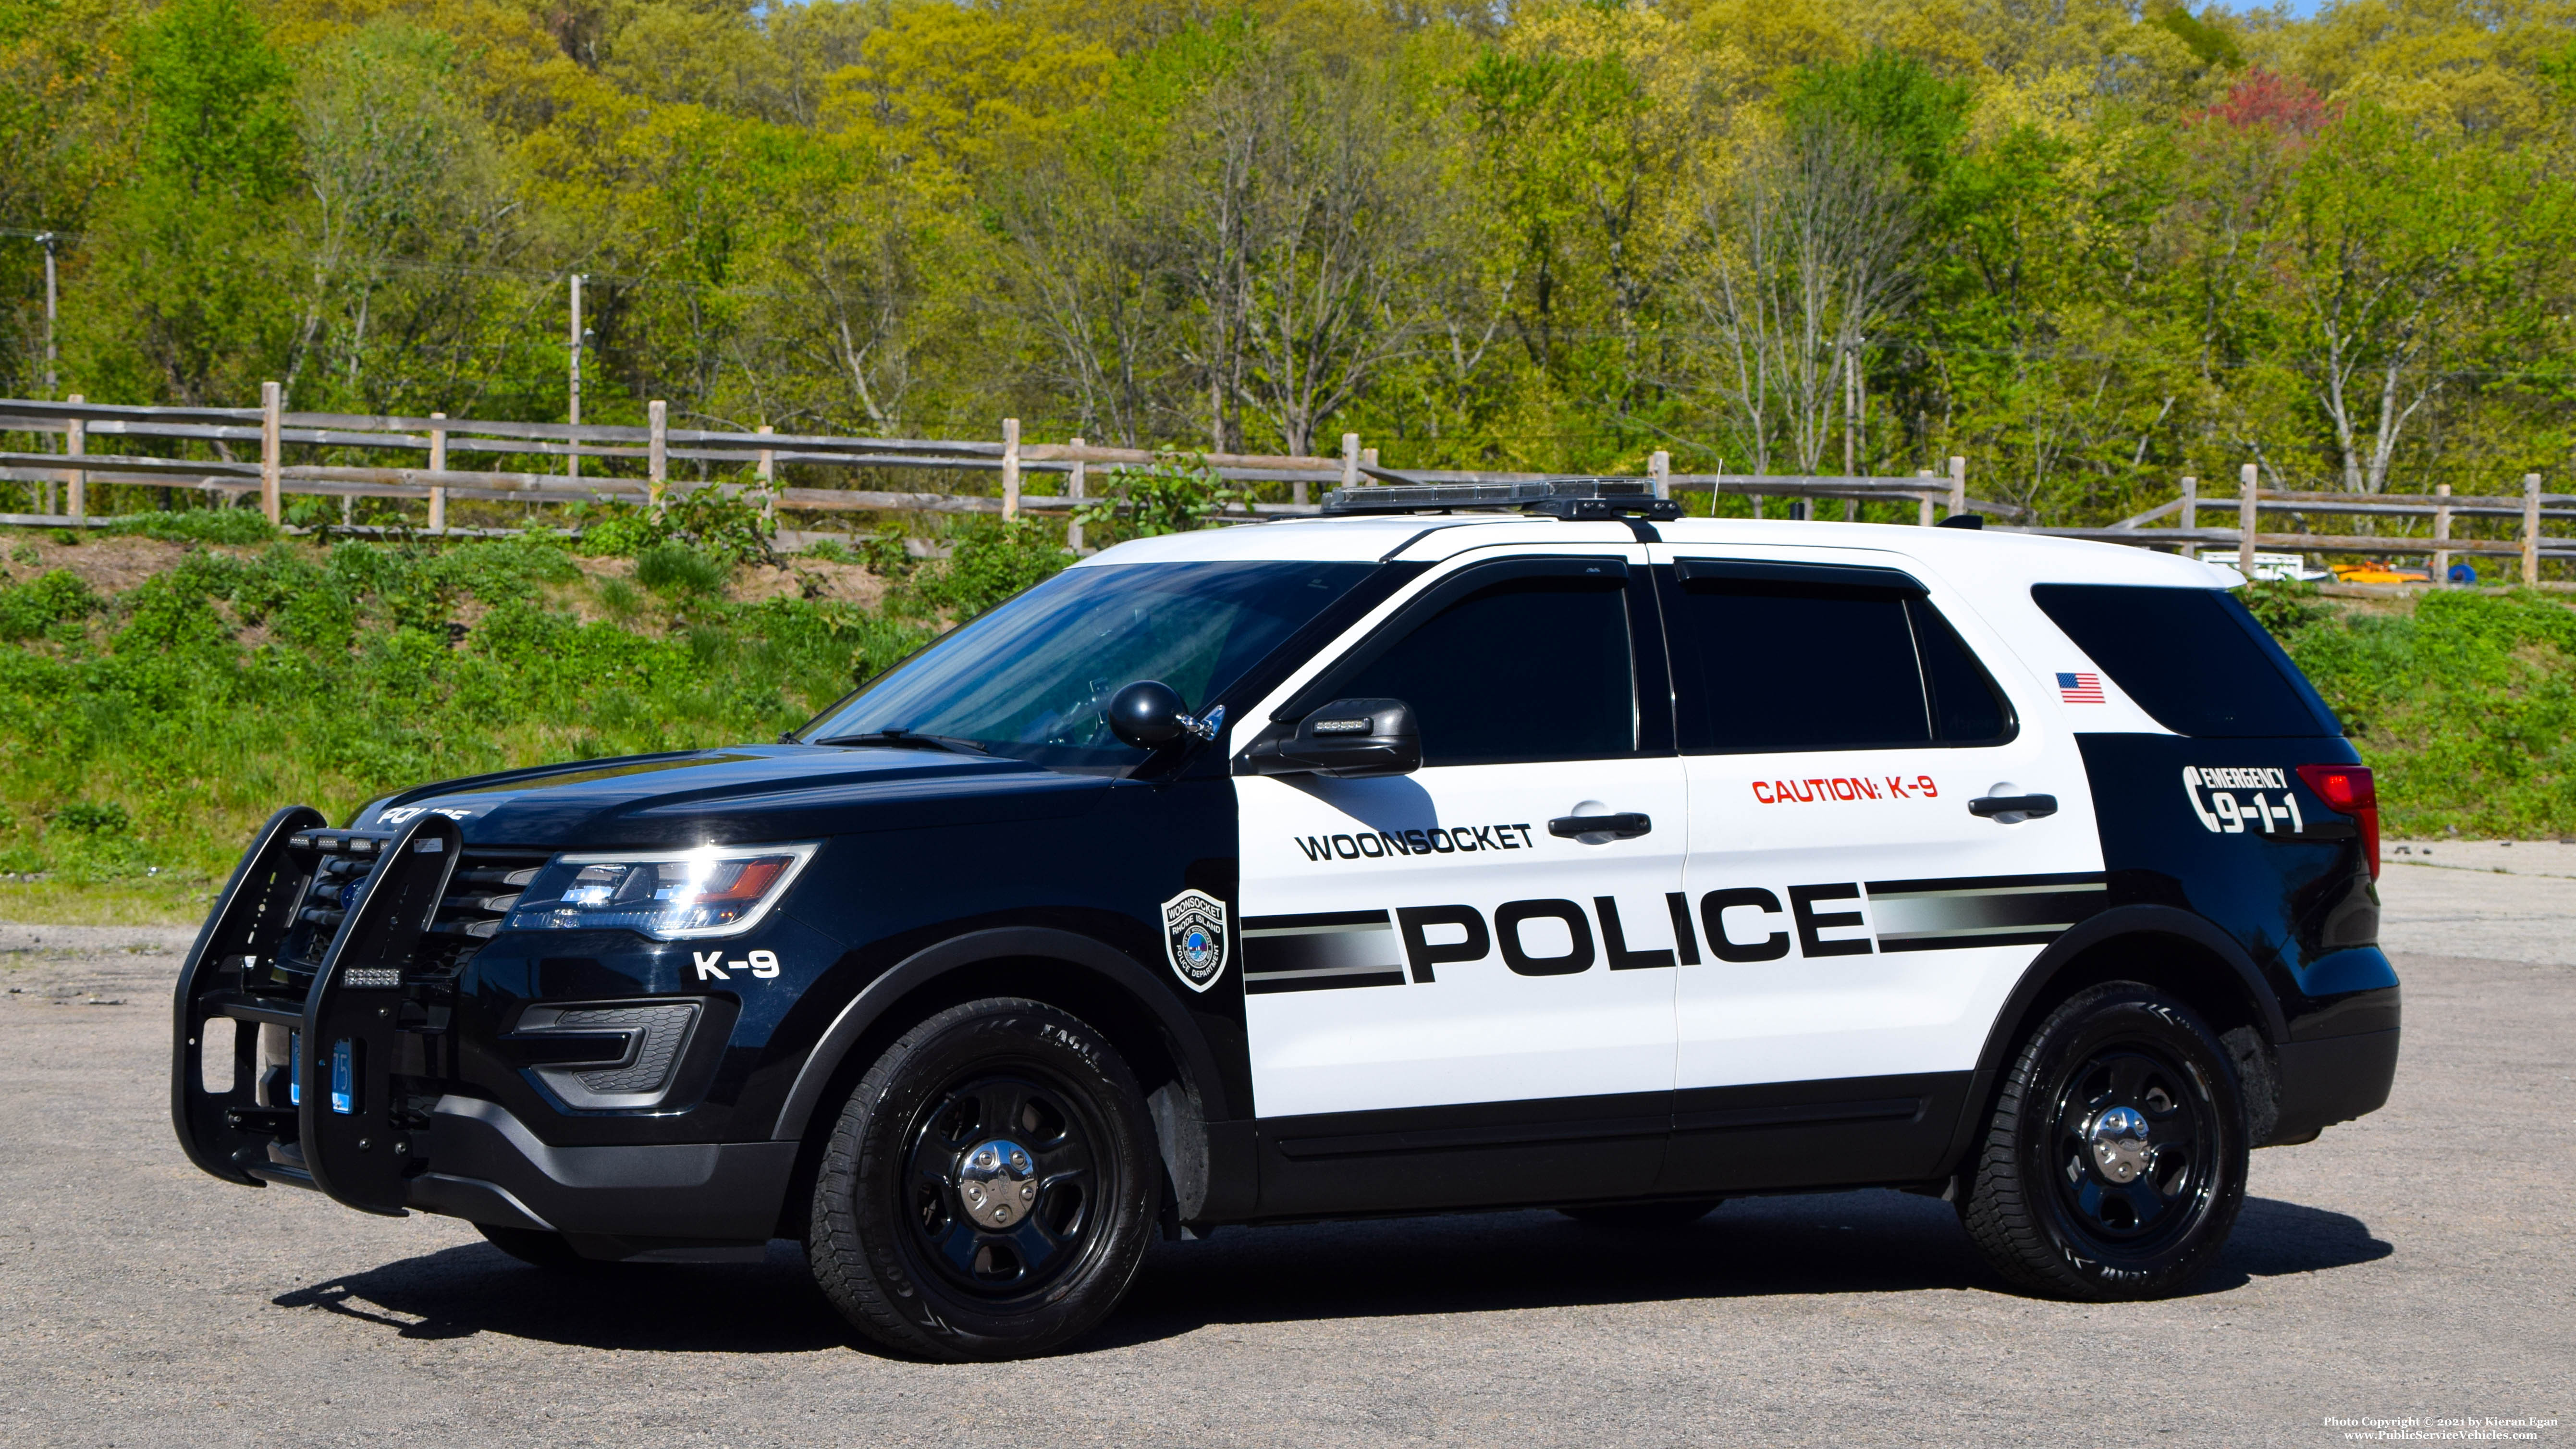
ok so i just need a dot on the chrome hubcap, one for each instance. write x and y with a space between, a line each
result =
2120 1148
997 1183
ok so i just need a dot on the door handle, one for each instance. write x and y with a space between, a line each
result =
1627 825
2030 806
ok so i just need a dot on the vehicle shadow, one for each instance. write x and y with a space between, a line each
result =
1833 1243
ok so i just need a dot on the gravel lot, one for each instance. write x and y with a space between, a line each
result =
2421 1262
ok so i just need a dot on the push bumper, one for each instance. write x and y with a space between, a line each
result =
486 1166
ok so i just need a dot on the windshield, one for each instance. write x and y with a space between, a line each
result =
1034 677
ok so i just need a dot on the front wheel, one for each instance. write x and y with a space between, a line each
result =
989 1190
2114 1164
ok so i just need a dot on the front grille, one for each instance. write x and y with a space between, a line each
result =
479 895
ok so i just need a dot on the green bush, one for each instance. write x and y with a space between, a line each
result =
988 562
2464 706
239 526
1177 492
676 568
730 527
56 597
93 819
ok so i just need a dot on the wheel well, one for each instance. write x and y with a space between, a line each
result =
2192 972
1131 1027
2186 969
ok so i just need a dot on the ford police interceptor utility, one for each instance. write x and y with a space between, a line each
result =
1471 846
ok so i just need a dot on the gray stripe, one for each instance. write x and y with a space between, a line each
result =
1318 930
1365 969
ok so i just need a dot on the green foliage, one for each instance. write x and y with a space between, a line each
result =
238 526
2464 706
886 556
173 733
988 562
1175 493
217 118
54 598
677 568
93 819
2284 606
729 528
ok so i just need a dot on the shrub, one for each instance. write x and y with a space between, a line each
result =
677 568
57 597
239 526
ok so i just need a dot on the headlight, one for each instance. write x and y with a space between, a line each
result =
668 895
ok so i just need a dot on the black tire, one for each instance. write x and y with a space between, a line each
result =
894 1242
1643 1217
2120 1079
537 1248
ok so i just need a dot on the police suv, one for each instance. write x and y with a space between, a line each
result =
1470 846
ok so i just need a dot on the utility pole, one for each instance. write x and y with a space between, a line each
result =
573 445
47 242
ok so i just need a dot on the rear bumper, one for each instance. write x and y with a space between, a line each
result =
2333 1079
486 1166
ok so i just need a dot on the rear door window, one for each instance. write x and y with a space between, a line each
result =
2192 658
1774 657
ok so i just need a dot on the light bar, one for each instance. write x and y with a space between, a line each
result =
1566 498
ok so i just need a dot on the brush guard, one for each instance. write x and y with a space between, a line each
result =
338 951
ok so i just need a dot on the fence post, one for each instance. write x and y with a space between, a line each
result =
1073 486
657 452
1659 466
2190 516
767 471
271 405
1010 469
1958 486
2247 501
75 443
2441 535
2531 528
1923 515
1368 457
437 465
1350 465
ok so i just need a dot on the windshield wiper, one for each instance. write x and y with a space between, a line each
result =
907 740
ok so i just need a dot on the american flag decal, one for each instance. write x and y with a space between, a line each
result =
2080 688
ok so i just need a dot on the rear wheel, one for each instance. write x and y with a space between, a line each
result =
1643 1217
989 1189
2114 1164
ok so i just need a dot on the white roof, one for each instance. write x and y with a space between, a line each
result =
1991 557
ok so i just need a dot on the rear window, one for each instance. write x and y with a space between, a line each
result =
2193 658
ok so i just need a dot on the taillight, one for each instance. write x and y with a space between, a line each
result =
2348 789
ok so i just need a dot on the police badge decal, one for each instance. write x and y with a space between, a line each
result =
1194 937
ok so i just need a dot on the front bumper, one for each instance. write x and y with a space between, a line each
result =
332 962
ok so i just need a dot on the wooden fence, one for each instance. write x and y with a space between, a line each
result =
251 448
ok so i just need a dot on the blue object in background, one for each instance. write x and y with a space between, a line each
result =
2463 574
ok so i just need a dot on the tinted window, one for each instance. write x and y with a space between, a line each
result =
1966 706
1771 665
1033 678
2193 658
1525 669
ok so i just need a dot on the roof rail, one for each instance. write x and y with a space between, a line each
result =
1573 499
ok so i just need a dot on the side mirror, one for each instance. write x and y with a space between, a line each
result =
1149 714
1347 739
